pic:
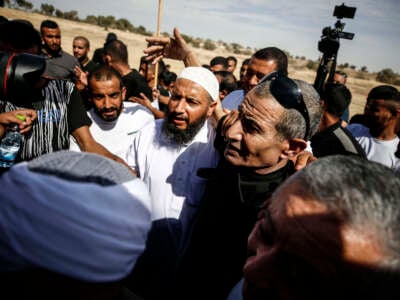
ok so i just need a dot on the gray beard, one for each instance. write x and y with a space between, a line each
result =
181 137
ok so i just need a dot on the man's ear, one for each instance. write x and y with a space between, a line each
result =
211 108
323 104
222 94
107 59
296 145
123 92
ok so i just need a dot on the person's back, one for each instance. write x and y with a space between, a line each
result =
99 52
116 56
340 77
331 137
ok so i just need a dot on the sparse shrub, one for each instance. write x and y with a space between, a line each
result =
47 9
196 43
386 76
209 45
360 75
188 39
312 65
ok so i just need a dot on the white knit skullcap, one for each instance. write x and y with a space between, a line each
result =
203 77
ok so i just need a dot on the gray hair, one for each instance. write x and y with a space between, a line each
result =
363 194
292 124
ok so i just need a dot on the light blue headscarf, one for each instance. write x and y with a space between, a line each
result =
79 214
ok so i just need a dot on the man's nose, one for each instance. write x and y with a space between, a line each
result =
254 80
108 102
180 106
234 132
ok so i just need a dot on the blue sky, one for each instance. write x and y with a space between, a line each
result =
291 25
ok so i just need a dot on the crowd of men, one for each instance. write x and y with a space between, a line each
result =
146 184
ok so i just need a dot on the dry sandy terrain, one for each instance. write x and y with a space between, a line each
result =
136 43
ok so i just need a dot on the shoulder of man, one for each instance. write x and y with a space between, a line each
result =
358 130
233 99
69 58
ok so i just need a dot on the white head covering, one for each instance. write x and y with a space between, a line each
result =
78 214
203 77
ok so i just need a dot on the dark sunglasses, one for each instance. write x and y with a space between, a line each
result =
288 94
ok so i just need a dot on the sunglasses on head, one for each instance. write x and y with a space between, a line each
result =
288 94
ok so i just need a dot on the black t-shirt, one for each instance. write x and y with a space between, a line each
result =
90 66
98 56
335 140
136 84
61 66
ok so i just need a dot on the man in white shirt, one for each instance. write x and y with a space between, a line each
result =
379 140
115 123
167 153
166 156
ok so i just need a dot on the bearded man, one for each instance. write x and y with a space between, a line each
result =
166 156
115 122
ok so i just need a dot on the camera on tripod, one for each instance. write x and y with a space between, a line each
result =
330 43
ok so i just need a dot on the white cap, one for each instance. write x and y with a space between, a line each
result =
203 77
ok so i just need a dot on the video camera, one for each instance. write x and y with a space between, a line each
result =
19 72
330 43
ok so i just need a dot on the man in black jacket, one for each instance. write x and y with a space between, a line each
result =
332 138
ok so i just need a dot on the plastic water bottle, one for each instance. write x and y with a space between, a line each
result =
9 146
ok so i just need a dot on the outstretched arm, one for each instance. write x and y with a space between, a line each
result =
170 47
87 143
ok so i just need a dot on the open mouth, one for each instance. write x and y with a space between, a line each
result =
109 113
178 121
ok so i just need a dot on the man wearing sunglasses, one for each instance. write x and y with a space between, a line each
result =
272 125
257 143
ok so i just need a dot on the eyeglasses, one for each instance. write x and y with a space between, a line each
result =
288 94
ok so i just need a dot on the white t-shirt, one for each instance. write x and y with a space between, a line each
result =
170 170
377 150
118 135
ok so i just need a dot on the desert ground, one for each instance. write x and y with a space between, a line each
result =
136 43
